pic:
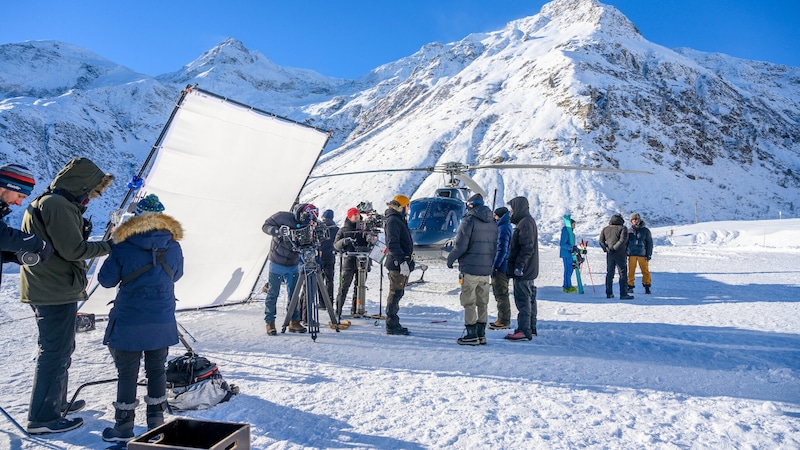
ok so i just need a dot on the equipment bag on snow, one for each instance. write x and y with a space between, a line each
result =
195 383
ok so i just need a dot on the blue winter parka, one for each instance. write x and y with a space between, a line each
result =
143 315
504 232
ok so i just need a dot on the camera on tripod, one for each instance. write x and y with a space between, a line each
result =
309 236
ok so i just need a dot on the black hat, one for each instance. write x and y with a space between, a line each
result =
501 211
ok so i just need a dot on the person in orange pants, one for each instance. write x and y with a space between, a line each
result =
640 249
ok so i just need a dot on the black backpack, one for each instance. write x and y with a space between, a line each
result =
190 369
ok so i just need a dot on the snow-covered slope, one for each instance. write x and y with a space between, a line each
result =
576 84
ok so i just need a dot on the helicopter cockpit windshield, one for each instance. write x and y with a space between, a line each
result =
435 215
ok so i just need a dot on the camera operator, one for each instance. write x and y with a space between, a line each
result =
350 238
16 184
284 260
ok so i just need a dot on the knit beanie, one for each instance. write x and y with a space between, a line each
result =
501 211
327 214
17 178
476 199
351 212
149 204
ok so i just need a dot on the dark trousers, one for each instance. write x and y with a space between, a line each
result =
616 262
525 300
327 274
397 284
500 289
348 276
127 364
56 325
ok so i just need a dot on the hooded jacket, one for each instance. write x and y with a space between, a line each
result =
614 237
476 242
640 241
524 253
62 278
143 315
399 243
281 250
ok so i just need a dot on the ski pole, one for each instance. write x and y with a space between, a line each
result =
584 245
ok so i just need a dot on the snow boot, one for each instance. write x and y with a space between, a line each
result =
155 411
471 338
397 331
630 289
647 289
480 330
123 428
518 335
296 327
271 331
497 325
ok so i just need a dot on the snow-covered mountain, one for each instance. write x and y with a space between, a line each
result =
576 84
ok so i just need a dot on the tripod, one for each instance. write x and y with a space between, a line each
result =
312 279
360 299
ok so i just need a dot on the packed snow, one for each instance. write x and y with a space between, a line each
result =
710 360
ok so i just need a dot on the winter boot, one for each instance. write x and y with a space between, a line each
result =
271 331
497 325
647 289
155 411
471 338
630 289
626 297
296 327
480 330
123 428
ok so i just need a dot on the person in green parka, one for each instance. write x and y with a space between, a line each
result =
54 287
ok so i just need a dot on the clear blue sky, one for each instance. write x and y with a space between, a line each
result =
346 39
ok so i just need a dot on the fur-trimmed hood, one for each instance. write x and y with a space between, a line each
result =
148 222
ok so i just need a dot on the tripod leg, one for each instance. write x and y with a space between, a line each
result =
293 302
328 304
312 288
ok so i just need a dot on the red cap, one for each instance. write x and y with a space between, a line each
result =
352 211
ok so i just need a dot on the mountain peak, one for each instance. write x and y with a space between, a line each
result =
606 18
229 51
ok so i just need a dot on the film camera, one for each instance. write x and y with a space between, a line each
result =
371 224
308 236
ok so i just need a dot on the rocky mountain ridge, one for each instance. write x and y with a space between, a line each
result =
576 84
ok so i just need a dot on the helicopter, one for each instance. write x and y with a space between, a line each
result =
433 221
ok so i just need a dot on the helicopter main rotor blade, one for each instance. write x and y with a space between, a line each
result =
470 183
545 166
358 172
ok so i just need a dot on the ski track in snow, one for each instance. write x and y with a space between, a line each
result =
710 360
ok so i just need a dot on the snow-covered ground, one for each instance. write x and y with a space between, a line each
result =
710 360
